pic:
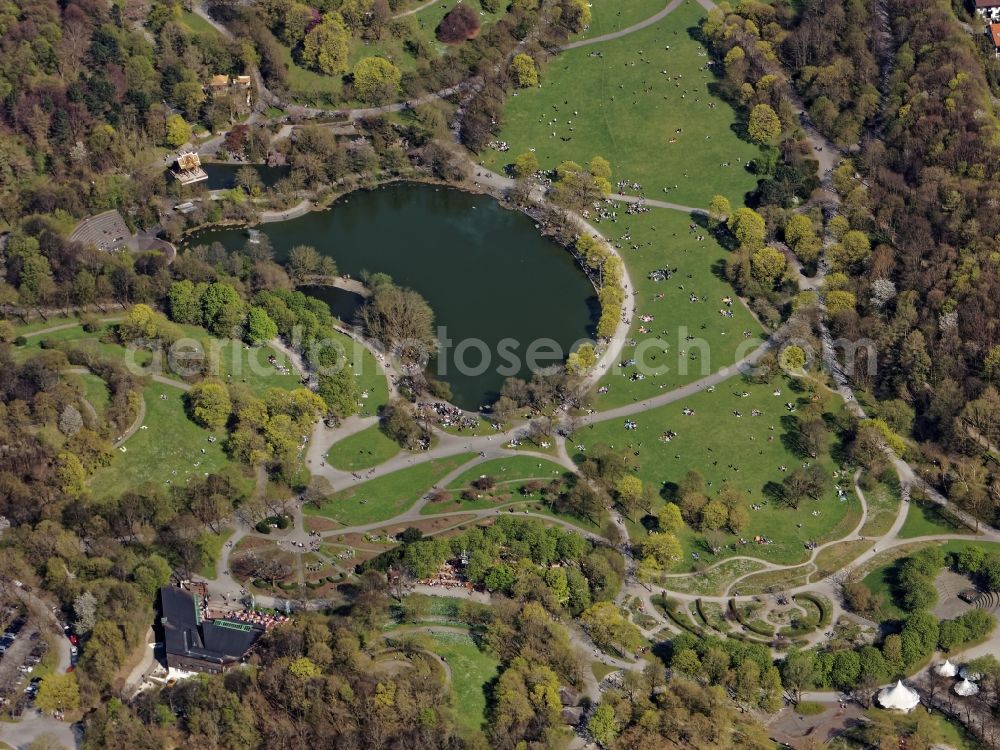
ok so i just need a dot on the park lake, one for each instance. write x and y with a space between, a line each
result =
486 272
222 175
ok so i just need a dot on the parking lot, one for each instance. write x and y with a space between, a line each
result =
21 650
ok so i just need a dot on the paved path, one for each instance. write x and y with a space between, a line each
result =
671 7
608 354
65 326
412 11
641 201
269 217
33 725
490 446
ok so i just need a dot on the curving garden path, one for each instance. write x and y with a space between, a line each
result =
671 7
491 446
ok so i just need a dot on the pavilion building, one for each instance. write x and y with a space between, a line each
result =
196 643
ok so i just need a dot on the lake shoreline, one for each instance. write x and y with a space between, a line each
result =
428 235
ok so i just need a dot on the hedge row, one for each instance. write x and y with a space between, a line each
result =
755 626
824 610
679 618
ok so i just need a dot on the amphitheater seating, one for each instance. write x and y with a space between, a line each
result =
989 601
106 231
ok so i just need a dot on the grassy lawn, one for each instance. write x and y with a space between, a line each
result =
483 427
745 451
236 361
168 452
429 18
881 579
239 363
389 47
512 469
212 544
630 111
883 505
926 518
307 85
425 22
95 390
471 671
77 335
609 16
947 733
371 376
712 582
774 579
837 556
362 450
27 329
386 496
600 670
196 24
660 240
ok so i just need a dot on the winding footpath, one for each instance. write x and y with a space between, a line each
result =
671 7
491 446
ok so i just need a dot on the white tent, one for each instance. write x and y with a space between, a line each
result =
966 688
899 697
946 669
966 674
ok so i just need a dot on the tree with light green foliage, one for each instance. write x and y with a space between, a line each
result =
669 518
629 492
767 265
376 80
582 360
260 327
840 301
340 391
792 359
719 210
524 70
764 126
184 301
72 475
58 693
525 164
600 167
304 668
326 47
210 404
576 15
851 252
991 365
748 227
662 547
223 310
140 323
603 725
178 131
609 628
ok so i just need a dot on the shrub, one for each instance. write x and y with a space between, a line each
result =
20 341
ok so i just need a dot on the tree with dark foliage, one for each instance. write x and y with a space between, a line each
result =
460 24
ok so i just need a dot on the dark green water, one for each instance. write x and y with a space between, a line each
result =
485 271
223 176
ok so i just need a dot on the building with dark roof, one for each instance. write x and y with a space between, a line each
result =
196 644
